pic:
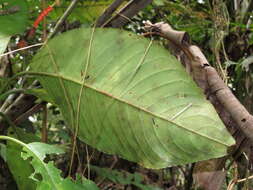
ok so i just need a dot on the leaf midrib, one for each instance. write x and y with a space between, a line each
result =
126 102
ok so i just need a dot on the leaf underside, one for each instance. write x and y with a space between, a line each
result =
136 100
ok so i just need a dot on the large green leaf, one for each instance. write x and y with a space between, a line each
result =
136 99
13 20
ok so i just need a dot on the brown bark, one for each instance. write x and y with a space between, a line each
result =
238 112
208 79
231 111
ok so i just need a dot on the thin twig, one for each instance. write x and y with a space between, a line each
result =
44 24
8 101
44 124
141 62
11 10
29 112
119 14
4 95
233 182
115 159
63 18
244 179
181 111
88 160
76 129
20 49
